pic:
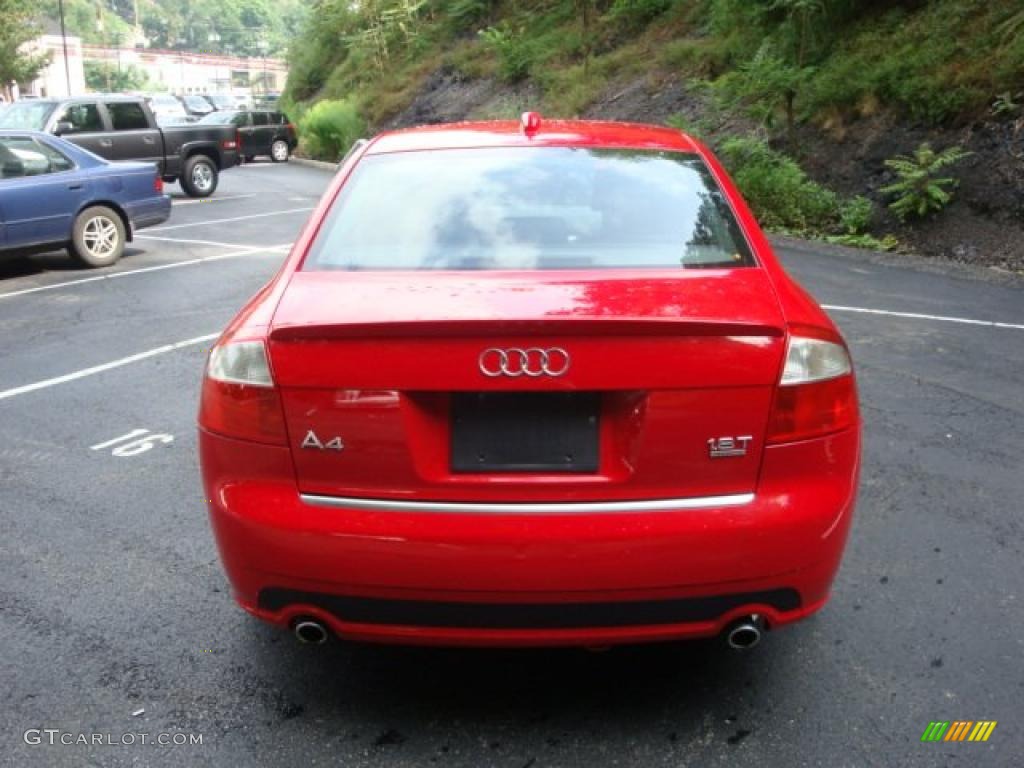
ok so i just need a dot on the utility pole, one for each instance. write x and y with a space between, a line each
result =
64 40
264 48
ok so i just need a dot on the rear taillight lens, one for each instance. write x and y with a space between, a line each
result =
239 397
816 394
158 185
230 143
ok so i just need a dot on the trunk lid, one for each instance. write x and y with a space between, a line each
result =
643 370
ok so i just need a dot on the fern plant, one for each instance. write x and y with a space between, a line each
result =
920 190
1006 104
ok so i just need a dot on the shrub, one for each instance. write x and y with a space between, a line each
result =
701 57
764 85
329 128
777 188
104 76
855 214
570 90
887 243
465 12
514 49
634 14
920 190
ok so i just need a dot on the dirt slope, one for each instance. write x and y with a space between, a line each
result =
984 225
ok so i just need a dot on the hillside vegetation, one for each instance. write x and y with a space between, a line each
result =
238 27
806 100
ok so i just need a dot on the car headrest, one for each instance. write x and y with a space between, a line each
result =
11 169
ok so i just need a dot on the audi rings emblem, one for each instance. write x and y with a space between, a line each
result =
532 361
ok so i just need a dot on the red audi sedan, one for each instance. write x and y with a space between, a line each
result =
531 383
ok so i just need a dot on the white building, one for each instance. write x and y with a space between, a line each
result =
56 80
175 71
183 73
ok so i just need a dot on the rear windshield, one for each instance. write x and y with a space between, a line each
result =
529 208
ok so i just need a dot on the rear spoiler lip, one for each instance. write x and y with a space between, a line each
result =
574 326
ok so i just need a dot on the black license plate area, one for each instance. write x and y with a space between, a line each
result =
525 431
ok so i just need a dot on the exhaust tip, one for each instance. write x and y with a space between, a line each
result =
745 634
310 632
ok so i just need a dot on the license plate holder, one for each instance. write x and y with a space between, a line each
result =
525 432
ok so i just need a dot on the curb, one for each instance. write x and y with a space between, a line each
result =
318 164
933 265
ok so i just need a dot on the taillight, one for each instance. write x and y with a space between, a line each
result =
158 185
816 395
239 398
230 143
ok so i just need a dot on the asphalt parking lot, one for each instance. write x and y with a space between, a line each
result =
115 616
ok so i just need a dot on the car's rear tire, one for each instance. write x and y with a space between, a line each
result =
98 236
199 178
250 158
280 151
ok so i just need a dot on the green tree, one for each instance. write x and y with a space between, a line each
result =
19 26
778 45
241 27
768 82
920 190
91 20
104 76
800 32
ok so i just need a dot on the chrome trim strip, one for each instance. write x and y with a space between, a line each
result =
529 508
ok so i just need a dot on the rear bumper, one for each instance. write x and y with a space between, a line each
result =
532 579
520 624
149 212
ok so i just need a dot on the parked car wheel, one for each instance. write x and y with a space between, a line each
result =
279 151
98 237
250 158
200 176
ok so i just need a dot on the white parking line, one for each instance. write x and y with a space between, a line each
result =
142 270
105 366
233 218
186 241
193 201
920 316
